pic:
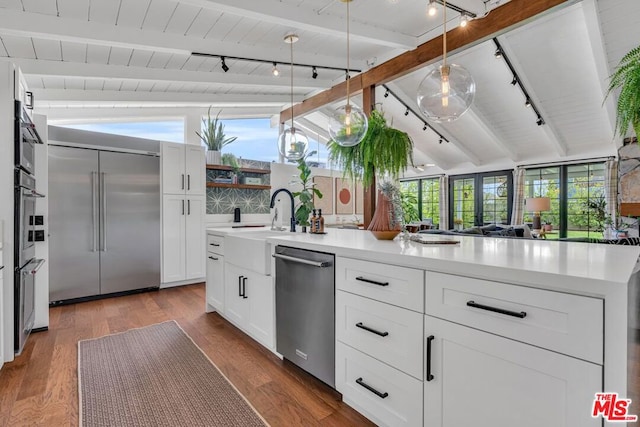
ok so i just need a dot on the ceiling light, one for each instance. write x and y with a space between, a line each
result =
464 20
348 124
314 73
527 103
514 81
424 127
447 92
225 68
440 142
540 121
406 113
431 10
275 70
386 93
293 143
498 53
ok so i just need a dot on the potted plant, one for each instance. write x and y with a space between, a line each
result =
618 226
384 151
627 78
387 219
214 138
457 223
305 195
547 226
229 159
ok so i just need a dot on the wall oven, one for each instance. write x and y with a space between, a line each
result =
26 136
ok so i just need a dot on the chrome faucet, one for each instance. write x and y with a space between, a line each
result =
293 215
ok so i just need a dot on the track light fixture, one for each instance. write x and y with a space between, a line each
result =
225 68
516 81
431 9
464 14
498 53
406 113
464 20
314 73
440 142
275 70
424 127
386 93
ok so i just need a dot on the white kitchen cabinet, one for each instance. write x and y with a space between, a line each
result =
183 169
483 379
1 312
249 303
183 238
215 282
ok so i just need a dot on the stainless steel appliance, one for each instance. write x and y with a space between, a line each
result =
104 222
26 136
305 310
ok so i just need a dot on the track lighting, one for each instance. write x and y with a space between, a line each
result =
406 113
386 93
275 70
514 81
225 68
432 8
527 103
314 73
424 127
440 142
464 20
498 53
540 121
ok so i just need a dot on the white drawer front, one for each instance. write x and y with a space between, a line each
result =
569 324
215 244
402 405
391 334
399 286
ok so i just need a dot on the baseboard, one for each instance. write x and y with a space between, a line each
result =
43 329
182 283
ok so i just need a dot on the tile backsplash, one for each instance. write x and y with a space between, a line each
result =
221 201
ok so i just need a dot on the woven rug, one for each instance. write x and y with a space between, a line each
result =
155 376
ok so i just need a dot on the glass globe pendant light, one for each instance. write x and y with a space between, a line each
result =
293 143
348 124
447 92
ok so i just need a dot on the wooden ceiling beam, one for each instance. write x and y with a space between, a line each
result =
500 20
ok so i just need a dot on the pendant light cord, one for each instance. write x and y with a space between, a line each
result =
291 82
444 33
348 51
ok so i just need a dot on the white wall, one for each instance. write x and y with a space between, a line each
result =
42 208
6 199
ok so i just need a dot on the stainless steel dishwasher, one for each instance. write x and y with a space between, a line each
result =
305 310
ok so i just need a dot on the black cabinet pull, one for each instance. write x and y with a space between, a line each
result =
214 244
189 182
240 285
520 315
362 279
182 181
373 331
188 207
244 287
213 258
429 374
371 389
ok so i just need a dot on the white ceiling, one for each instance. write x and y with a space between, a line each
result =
97 58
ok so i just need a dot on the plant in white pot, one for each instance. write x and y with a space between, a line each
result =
214 137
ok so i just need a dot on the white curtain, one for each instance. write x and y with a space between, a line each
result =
611 188
444 202
517 216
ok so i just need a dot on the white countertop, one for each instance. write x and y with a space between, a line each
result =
584 268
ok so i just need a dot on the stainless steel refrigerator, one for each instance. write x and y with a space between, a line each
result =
104 222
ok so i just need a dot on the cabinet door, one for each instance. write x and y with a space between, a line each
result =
173 235
174 178
483 379
260 292
215 282
236 308
195 170
195 237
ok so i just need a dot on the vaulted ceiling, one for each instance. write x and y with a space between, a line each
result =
87 59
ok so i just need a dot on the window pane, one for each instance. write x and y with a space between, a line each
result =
431 200
463 202
409 190
585 200
544 182
495 199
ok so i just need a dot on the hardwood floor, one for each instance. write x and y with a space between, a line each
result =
40 386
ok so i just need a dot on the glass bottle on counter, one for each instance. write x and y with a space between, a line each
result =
313 222
320 222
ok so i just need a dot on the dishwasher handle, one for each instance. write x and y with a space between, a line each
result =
320 264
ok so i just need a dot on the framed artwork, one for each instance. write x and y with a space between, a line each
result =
324 184
344 197
358 194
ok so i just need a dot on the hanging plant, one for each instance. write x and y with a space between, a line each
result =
384 151
627 78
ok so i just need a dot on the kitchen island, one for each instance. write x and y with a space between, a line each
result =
489 331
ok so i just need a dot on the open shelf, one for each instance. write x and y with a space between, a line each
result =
246 170
241 186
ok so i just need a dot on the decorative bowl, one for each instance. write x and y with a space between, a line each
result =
385 235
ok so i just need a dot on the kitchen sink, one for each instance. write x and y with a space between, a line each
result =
249 249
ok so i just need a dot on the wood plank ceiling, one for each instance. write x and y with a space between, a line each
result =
133 57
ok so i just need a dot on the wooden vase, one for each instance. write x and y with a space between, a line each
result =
380 225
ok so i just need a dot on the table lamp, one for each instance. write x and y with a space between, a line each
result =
537 205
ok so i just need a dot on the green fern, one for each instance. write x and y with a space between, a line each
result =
627 78
383 151
213 133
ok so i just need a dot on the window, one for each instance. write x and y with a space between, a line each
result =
166 130
573 189
479 199
422 197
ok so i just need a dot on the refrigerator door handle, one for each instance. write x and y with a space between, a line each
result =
103 220
189 207
182 206
189 182
94 210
